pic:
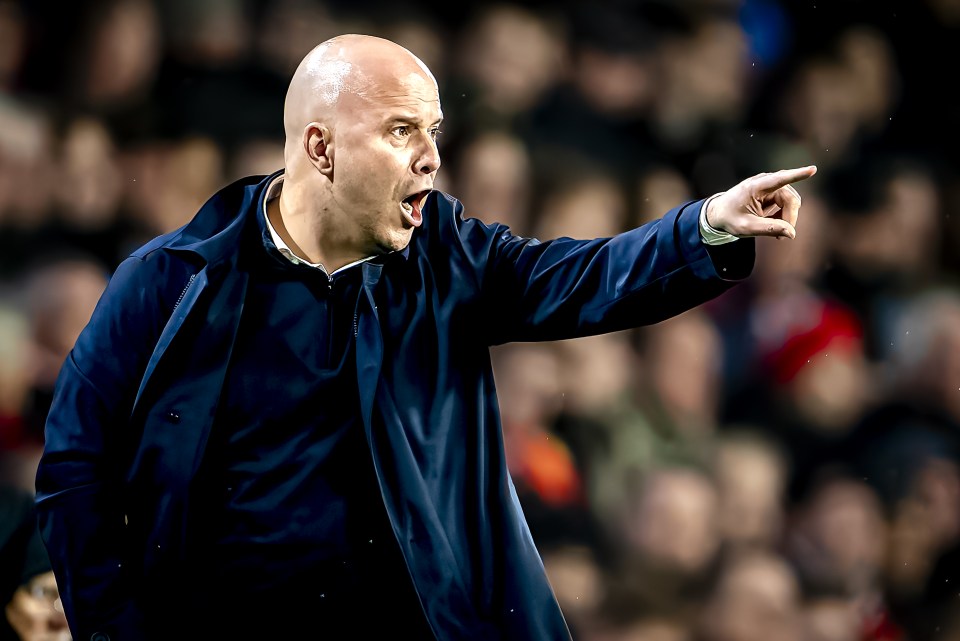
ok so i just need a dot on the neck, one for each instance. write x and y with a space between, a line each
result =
312 233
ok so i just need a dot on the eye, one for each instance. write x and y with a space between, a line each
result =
434 132
401 132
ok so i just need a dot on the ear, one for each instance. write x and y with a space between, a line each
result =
318 145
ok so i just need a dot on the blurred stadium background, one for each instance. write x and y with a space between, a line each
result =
778 465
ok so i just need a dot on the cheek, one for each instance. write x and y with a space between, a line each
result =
366 177
350 189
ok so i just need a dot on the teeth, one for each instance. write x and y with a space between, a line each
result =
406 206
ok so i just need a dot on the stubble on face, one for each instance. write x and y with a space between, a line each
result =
347 172
375 166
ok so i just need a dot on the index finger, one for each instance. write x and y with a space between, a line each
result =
776 180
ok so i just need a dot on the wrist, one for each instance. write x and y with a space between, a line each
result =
710 234
706 214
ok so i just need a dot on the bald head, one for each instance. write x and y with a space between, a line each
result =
361 118
341 70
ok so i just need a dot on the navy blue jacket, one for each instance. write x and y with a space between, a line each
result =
136 399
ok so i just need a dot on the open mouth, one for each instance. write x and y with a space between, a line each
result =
412 207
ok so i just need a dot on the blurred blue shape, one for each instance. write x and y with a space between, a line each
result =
768 30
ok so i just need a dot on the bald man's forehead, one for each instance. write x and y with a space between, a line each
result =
357 77
412 84
411 92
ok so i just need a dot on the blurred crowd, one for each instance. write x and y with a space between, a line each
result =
781 464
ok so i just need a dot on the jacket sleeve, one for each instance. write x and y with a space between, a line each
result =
566 288
80 498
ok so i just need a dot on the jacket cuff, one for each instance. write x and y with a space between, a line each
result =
730 261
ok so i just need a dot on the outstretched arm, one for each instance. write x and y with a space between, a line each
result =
565 288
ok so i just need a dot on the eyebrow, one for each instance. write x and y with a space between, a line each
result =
410 119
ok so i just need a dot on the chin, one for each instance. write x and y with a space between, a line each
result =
395 240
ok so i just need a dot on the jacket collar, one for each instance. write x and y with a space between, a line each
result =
214 233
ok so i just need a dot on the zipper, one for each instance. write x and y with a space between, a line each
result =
355 314
183 293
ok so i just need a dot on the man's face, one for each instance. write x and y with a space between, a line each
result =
385 159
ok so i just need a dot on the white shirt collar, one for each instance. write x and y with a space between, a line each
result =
273 191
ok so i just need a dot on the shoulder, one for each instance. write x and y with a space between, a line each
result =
446 227
213 230
212 235
442 213
149 275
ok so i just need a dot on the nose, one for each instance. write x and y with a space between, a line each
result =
428 160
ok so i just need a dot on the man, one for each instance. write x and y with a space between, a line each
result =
281 420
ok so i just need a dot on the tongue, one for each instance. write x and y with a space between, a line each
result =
414 216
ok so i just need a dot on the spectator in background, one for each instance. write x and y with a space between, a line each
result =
89 187
829 615
510 56
838 543
28 589
703 86
17 443
541 464
608 91
290 27
88 193
868 53
925 542
494 177
838 98
657 185
919 386
27 162
577 571
630 622
810 381
755 597
620 425
908 449
886 240
751 472
679 392
255 156
212 46
13 44
595 378
668 537
574 192
620 428
188 169
61 292
106 65
118 57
